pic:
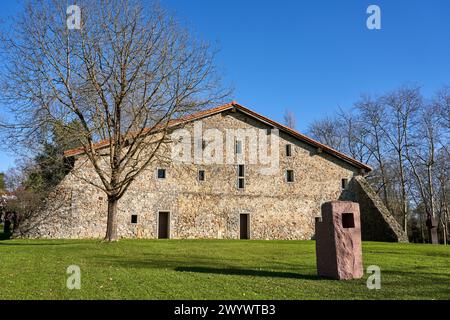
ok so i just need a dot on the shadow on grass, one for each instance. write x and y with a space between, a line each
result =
248 272
43 243
14 244
5 236
198 264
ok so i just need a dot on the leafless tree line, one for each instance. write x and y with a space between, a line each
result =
405 138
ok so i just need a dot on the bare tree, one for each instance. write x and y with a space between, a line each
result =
343 132
405 139
289 119
354 137
421 154
327 131
124 75
373 116
402 106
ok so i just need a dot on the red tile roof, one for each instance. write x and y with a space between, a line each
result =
237 106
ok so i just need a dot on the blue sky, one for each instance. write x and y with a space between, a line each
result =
315 56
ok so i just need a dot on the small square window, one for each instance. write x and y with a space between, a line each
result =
241 171
289 175
348 221
344 184
288 150
201 175
238 146
134 218
161 173
241 183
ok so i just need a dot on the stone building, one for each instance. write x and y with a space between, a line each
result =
228 200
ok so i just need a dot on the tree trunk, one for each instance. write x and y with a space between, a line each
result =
422 234
111 224
444 230
403 194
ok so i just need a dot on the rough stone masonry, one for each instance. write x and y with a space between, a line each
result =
269 206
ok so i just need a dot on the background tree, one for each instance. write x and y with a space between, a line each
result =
49 166
405 138
327 131
2 182
289 119
123 77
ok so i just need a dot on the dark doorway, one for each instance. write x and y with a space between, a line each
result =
244 234
163 225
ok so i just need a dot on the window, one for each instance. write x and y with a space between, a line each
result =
134 218
348 221
288 150
344 184
161 173
241 176
241 171
201 175
289 175
238 146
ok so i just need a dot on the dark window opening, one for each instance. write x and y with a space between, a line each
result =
134 218
290 175
288 150
348 220
161 173
241 176
344 183
241 170
201 175
241 183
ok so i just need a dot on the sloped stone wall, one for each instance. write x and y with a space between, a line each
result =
377 223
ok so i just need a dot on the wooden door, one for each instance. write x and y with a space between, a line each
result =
244 226
163 225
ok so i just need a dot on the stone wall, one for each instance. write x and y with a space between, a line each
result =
209 209
377 223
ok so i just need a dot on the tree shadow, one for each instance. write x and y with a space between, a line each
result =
5 236
197 264
249 272
49 244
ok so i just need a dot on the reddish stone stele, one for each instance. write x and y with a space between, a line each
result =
338 241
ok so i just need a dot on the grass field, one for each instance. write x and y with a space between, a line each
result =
212 269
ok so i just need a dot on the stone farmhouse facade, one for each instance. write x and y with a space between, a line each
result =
219 200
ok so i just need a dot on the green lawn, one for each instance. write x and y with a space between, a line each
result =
212 269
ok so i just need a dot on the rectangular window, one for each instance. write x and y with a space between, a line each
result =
289 175
161 173
241 176
344 184
134 218
201 175
241 171
238 146
288 150
241 183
